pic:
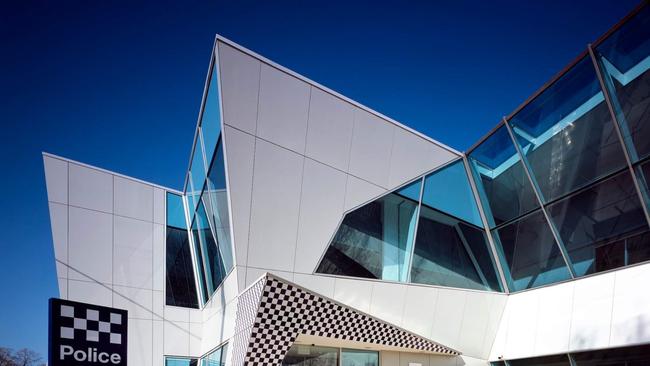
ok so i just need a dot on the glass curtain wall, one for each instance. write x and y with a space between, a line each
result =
207 195
428 232
217 357
623 356
306 355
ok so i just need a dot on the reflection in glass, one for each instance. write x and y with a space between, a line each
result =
627 356
175 211
530 253
503 186
211 118
180 285
215 198
556 360
200 265
304 355
567 134
181 361
625 60
212 261
217 357
603 227
448 190
353 357
451 252
197 176
375 240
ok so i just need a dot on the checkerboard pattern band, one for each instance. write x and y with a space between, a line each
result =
286 311
90 325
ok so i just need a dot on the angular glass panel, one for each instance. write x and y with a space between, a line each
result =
354 357
304 355
624 356
180 284
180 361
556 360
217 357
375 240
448 190
502 183
175 211
531 255
599 225
211 118
201 264
215 198
212 262
197 175
625 60
567 133
451 252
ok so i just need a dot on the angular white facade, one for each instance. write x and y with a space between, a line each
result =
298 157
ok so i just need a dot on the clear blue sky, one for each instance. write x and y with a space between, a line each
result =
118 85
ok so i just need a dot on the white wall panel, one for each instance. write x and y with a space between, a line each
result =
133 199
329 132
387 302
240 83
322 285
283 109
158 343
196 330
276 200
133 253
353 293
90 245
140 342
90 292
59 225
56 179
159 206
321 209
177 314
475 322
158 270
631 312
158 305
359 191
372 141
497 310
254 274
240 150
592 312
412 155
177 338
450 307
407 358
419 309
138 302
389 358
90 188
522 324
554 319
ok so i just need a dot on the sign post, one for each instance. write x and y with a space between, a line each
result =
86 335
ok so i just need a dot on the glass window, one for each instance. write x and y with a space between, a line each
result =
180 361
625 60
180 285
502 183
175 211
212 262
627 356
304 355
211 118
531 255
353 357
448 190
197 175
216 204
450 252
603 227
217 357
556 360
567 133
375 240
200 265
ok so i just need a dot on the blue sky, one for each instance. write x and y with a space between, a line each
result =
118 85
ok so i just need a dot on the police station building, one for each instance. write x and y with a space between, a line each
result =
312 230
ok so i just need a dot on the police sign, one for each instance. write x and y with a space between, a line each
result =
86 335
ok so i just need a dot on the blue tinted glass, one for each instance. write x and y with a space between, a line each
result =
175 211
216 203
567 133
411 191
448 190
180 285
530 254
624 58
178 361
356 357
375 240
201 264
213 263
211 119
197 174
501 180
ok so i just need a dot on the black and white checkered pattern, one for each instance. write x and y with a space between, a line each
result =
286 311
90 325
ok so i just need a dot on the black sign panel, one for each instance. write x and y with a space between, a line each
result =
85 334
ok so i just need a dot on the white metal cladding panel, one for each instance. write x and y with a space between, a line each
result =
372 141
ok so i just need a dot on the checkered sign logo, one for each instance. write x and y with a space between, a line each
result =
86 334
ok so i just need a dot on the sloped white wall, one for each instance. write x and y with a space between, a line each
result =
299 157
606 310
109 235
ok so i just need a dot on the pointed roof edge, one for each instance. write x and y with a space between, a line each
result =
247 51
